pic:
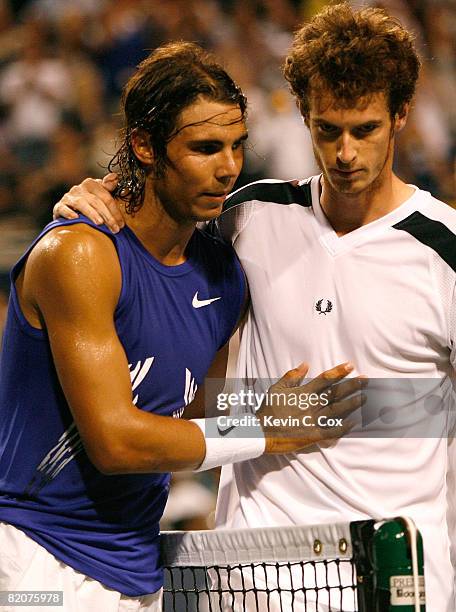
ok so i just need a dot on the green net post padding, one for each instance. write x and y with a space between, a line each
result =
389 565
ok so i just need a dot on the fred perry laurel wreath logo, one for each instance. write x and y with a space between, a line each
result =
323 306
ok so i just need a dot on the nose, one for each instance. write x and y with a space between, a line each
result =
346 149
228 166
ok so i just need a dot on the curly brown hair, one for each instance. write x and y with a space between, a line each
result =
352 54
166 82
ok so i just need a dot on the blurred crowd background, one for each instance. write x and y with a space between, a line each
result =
62 67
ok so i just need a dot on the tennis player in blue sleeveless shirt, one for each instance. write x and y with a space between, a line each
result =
108 336
174 305
106 526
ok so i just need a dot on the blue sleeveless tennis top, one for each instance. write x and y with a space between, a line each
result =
171 322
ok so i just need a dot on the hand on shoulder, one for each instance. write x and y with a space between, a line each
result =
92 198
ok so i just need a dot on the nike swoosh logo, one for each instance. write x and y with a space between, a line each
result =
196 303
224 432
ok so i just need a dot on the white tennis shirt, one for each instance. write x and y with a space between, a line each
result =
382 297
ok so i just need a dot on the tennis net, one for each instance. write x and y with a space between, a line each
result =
360 566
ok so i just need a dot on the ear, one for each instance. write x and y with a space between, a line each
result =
401 118
140 143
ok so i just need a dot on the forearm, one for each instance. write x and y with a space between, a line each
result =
166 444
141 442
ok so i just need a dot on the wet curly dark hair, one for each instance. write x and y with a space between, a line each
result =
165 83
352 54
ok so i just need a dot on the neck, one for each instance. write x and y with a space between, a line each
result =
346 212
165 238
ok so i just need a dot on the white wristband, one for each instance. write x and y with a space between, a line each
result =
223 447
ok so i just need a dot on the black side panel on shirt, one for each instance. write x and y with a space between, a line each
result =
279 193
433 234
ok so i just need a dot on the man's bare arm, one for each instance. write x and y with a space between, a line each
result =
72 279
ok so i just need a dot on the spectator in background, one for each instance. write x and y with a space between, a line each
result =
66 164
426 149
73 50
35 89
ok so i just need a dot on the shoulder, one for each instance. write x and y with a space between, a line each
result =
74 255
241 205
433 224
73 244
272 190
429 214
442 212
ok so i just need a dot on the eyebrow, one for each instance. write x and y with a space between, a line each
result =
320 120
200 141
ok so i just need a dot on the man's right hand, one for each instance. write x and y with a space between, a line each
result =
326 402
93 199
